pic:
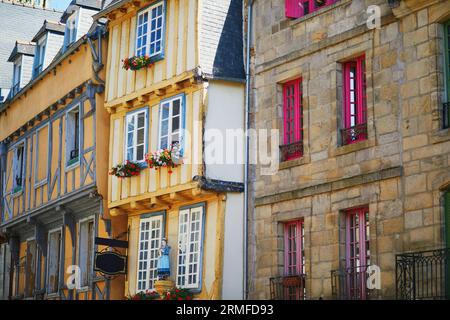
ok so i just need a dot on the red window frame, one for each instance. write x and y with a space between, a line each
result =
357 250
293 115
294 263
298 8
355 110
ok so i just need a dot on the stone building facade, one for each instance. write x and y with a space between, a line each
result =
387 162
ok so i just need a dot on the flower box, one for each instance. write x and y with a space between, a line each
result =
126 170
165 158
136 63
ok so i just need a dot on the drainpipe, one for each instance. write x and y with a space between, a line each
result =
247 144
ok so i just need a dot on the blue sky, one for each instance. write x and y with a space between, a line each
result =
58 4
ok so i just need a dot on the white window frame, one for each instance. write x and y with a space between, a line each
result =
70 137
38 183
135 146
185 256
145 50
90 272
39 56
57 230
147 255
71 29
170 133
17 76
16 166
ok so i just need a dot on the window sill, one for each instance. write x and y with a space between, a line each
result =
294 162
318 12
360 145
440 136
72 164
52 295
18 191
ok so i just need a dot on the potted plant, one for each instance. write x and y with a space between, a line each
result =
170 158
126 170
137 62
147 295
177 294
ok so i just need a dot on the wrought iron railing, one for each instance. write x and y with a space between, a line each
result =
354 134
288 287
446 115
423 275
291 151
350 284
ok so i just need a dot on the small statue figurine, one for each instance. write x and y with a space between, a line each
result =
163 265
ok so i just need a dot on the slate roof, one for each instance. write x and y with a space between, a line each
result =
52 26
74 4
18 22
22 47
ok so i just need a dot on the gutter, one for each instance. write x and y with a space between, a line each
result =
247 144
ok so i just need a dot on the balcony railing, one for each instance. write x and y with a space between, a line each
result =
423 275
291 151
354 134
288 287
350 283
446 115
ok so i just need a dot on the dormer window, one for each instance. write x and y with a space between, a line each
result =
71 29
39 57
17 76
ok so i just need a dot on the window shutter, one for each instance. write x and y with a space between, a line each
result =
293 9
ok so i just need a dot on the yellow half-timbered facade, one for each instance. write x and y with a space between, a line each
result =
54 164
189 95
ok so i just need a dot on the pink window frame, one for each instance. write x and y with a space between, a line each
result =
293 12
297 128
357 257
299 265
359 89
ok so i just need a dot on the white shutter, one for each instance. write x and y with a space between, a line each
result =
150 236
190 248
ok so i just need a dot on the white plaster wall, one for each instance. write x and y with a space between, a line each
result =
233 270
225 111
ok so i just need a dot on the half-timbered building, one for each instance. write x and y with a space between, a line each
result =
53 169
194 84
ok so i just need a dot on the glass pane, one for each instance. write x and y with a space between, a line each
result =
176 108
141 120
140 153
140 136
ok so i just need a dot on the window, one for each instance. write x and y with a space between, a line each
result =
190 243
73 136
299 8
150 31
18 167
293 120
151 233
446 106
71 29
294 263
41 151
136 135
86 250
39 57
171 122
53 263
30 267
354 113
357 251
17 76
